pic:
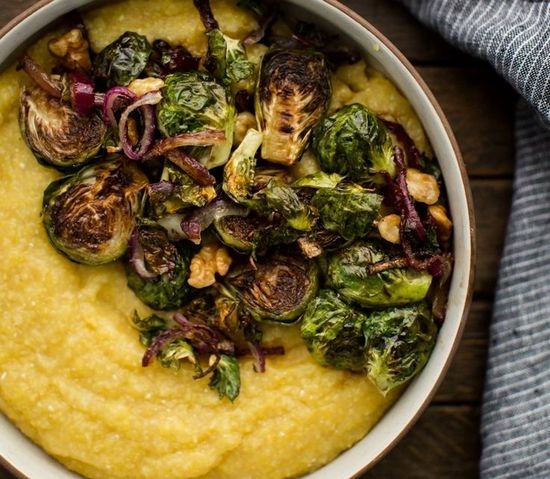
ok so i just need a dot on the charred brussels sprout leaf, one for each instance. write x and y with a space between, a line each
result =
194 101
226 377
90 216
292 94
176 191
122 61
367 275
239 171
333 332
353 142
56 134
162 284
318 180
284 199
348 209
278 288
227 58
398 344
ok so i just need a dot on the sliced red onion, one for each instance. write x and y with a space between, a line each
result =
41 77
258 355
413 155
82 93
194 169
146 104
99 100
202 218
137 257
194 138
112 101
162 187
192 230
162 340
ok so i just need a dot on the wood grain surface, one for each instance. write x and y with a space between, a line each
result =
445 442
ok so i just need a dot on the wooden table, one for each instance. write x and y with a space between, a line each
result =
445 442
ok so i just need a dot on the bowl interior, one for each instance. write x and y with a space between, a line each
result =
28 460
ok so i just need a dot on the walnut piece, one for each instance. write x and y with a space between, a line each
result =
422 187
389 228
73 50
212 259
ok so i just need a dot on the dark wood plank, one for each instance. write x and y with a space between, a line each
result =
418 43
12 8
492 200
479 106
463 383
444 443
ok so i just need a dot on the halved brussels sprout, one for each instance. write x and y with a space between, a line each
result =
365 274
398 344
292 94
194 101
57 135
353 142
158 269
254 233
276 288
90 216
238 232
333 332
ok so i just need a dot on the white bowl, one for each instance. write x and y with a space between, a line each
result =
26 459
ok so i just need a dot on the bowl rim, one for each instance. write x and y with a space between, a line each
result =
31 16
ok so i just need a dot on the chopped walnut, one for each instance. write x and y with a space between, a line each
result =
141 86
212 259
423 187
389 228
443 224
73 50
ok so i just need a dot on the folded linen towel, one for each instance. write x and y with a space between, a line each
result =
514 37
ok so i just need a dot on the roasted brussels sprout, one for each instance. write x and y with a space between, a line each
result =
158 269
367 274
194 101
122 61
277 288
348 209
353 142
57 135
333 332
254 233
292 94
90 216
238 232
398 343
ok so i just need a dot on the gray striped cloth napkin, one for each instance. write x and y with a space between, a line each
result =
514 37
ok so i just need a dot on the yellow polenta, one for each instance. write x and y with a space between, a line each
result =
70 373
